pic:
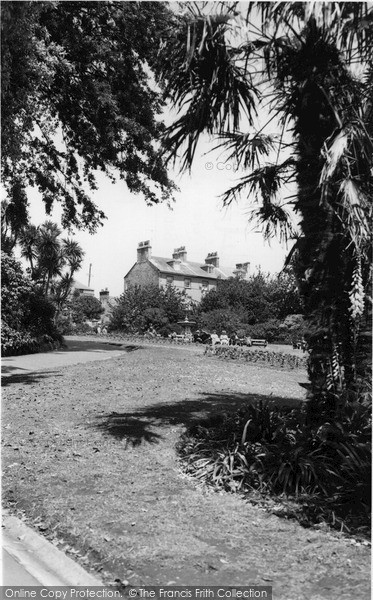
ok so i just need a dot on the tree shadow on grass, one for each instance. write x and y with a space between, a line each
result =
140 426
27 378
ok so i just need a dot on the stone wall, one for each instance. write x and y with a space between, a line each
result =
141 274
194 292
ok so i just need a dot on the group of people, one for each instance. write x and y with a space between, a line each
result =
203 337
300 344
151 331
223 339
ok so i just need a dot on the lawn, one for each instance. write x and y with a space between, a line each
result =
89 459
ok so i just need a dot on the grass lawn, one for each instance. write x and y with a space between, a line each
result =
89 459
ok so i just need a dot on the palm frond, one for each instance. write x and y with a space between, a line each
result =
263 183
263 186
274 221
204 80
246 149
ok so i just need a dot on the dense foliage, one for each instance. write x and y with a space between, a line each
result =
27 317
327 471
257 299
308 65
85 308
141 307
77 97
259 306
52 261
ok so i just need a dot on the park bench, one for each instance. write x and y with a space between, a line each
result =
185 339
259 342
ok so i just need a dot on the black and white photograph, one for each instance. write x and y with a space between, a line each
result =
186 299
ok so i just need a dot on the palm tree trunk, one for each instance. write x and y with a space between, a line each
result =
325 260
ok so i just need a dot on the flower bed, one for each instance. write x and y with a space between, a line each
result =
140 339
267 357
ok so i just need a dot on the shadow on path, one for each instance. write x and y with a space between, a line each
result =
137 427
27 378
95 346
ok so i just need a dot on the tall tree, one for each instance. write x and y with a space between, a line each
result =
53 261
77 98
85 308
309 63
140 306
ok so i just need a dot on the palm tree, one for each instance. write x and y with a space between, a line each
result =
309 65
72 257
28 241
50 259
49 256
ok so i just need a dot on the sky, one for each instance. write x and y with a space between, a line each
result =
197 221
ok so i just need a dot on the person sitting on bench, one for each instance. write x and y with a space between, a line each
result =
215 338
224 339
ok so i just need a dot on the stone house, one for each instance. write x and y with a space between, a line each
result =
196 278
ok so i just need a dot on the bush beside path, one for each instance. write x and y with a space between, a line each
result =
89 459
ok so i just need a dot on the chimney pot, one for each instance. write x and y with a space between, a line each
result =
212 259
180 254
143 251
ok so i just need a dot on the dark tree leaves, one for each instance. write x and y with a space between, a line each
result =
77 97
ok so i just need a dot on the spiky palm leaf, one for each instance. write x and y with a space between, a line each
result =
246 150
204 79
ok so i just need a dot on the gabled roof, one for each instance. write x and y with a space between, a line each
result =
80 286
189 269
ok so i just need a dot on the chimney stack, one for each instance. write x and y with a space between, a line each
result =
180 254
104 294
144 251
242 270
212 259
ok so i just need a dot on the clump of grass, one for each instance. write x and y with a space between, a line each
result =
269 450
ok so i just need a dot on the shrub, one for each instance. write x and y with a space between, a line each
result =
270 449
270 330
293 328
84 328
220 319
85 308
27 316
15 342
139 307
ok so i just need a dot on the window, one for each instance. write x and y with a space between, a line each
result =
205 287
187 282
169 280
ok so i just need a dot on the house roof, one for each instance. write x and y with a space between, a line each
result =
189 269
80 286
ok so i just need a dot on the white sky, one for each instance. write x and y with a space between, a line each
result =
197 221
